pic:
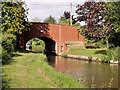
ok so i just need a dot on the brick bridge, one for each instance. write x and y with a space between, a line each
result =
56 37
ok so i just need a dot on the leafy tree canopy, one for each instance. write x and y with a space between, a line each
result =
64 21
91 13
102 19
14 17
50 20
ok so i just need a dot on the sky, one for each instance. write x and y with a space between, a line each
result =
43 8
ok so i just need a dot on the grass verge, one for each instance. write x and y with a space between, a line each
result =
87 52
29 70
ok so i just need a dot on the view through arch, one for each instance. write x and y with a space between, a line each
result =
50 45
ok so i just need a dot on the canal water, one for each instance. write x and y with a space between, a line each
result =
92 74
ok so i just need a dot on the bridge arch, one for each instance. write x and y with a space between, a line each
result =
50 45
57 37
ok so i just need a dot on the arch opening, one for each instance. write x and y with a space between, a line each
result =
50 46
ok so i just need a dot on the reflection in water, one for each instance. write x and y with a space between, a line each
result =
92 74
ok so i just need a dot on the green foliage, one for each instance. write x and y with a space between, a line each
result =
112 21
113 54
36 41
106 59
8 47
112 11
103 59
38 48
14 17
5 56
114 40
50 20
90 58
97 59
8 42
37 45
101 43
64 21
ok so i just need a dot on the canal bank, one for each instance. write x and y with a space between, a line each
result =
30 70
97 55
95 59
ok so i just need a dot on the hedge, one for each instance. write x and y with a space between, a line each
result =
8 43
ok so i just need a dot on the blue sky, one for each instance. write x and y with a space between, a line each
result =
43 8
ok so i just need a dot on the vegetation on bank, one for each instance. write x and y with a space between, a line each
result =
105 54
30 70
7 46
87 52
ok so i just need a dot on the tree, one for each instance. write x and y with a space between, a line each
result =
92 14
50 20
67 16
112 19
64 21
113 15
102 19
14 18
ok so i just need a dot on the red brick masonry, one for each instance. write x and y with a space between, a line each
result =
60 34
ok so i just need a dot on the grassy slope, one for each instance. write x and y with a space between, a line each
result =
29 70
86 52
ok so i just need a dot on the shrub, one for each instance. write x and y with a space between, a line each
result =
102 60
7 45
90 58
106 59
0 53
97 59
113 54
5 57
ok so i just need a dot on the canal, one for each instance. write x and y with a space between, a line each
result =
92 74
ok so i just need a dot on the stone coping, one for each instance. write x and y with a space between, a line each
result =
87 58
